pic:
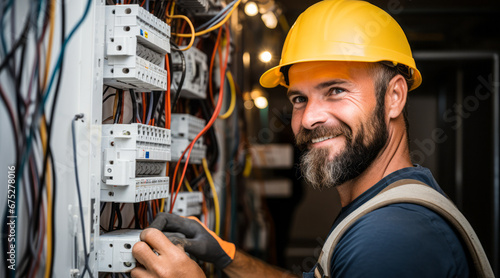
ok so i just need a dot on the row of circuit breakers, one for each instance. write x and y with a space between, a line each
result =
135 155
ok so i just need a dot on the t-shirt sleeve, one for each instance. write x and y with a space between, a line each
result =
401 240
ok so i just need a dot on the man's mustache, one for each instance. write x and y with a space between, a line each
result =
305 136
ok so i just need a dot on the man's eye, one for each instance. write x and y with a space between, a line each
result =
336 91
299 99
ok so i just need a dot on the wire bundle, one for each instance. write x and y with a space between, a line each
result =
32 126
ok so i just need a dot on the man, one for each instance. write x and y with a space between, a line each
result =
348 69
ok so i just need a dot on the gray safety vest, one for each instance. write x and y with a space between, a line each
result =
414 192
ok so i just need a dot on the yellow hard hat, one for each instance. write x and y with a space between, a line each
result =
344 30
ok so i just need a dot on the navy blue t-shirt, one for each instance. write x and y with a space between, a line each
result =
399 240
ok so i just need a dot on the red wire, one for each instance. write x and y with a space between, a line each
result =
210 89
210 123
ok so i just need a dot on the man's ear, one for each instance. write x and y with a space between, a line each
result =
395 98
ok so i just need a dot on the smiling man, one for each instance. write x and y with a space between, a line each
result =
348 68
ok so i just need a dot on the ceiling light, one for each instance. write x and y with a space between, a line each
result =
265 56
251 8
261 102
270 20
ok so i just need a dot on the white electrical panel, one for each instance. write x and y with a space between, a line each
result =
136 45
115 251
134 162
186 126
197 154
196 79
195 6
188 203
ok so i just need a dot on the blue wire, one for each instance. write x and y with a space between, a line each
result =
35 117
2 35
47 92
217 17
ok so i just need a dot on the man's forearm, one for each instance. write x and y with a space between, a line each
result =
245 265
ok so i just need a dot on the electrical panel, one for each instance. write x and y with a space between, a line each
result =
115 250
184 128
196 78
136 45
188 203
134 162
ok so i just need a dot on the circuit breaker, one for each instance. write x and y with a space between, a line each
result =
196 79
188 203
136 45
134 162
184 128
115 250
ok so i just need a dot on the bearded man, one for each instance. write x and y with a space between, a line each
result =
348 68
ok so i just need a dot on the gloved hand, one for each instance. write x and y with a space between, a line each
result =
200 241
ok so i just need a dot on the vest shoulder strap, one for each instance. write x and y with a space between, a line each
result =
415 192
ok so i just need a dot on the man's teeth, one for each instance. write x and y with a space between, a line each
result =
321 139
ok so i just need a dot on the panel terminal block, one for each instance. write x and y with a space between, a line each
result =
186 126
188 203
197 154
136 43
115 251
196 79
134 162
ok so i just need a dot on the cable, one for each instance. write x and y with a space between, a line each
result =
181 81
82 223
216 17
193 35
150 110
134 105
212 59
233 97
209 124
214 194
213 27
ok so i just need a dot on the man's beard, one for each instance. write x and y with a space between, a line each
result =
321 172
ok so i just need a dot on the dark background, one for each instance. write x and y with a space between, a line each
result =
451 117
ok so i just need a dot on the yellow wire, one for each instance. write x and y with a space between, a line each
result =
188 186
233 97
214 193
214 27
162 207
51 36
248 166
172 16
193 34
43 133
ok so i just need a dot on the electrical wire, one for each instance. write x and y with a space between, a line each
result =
215 196
217 17
213 27
233 97
209 124
193 35
211 67
82 223
181 81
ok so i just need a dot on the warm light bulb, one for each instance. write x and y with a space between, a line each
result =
261 102
251 8
270 20
265 56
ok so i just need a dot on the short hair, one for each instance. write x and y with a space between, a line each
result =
383 73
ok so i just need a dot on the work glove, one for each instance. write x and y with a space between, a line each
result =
199 242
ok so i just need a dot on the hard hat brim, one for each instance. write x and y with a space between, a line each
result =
274 77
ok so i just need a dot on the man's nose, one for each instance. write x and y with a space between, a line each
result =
314 114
